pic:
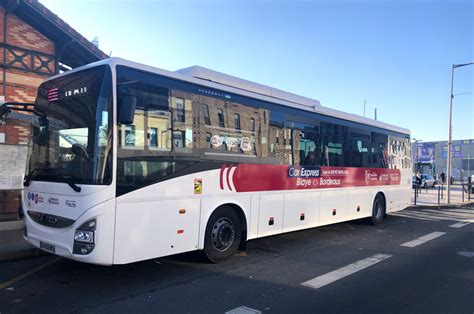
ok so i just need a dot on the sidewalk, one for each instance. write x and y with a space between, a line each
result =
13 246
429 197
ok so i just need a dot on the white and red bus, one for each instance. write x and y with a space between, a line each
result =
128 162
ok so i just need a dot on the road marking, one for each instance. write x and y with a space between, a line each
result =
24 275
466 254
423 239
243 310
460 224
342 272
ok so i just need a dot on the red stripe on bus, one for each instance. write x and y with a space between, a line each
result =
253 177
221 179
228 174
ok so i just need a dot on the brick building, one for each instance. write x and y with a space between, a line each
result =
35 44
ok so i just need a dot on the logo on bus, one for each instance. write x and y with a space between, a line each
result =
304 172
370 176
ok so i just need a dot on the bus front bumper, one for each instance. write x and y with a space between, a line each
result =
60 241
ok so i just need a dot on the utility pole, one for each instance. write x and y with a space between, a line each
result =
450 144
448 166
364 108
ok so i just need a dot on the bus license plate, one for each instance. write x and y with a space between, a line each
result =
47 247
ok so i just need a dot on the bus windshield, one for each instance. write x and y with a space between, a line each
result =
72 130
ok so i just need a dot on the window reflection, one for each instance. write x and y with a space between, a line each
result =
174 129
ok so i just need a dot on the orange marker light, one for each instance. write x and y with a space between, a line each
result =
182 211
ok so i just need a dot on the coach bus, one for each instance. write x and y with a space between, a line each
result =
128 162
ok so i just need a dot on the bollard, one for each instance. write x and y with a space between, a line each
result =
469 188
462 188
416 188
439 193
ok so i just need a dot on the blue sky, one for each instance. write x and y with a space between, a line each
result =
395 55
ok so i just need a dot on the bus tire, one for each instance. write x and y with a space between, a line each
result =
223 234
378 210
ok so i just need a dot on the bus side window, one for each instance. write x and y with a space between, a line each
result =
334 138
230 129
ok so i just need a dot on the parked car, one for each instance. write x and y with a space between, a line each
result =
427 181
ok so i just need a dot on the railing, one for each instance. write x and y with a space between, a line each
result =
435 195
467 188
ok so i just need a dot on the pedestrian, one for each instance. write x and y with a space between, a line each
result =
418 181
443 178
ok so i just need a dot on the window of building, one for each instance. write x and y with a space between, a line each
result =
208 140
237 121
152 137
220 116
180 110
130 135
205 114
179 138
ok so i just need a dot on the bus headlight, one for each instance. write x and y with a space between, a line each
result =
84 238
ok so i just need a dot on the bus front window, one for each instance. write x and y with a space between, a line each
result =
72 133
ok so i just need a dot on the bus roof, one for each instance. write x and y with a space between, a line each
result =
232 81
224 82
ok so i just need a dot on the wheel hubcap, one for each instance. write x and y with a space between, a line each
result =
223 234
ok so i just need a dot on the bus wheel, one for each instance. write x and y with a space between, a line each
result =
223 234
378 210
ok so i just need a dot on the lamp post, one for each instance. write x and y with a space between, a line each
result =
415 152
434 169
468 165
450 144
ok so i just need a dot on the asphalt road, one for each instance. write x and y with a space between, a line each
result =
417 261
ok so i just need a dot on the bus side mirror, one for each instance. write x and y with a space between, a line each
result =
128 104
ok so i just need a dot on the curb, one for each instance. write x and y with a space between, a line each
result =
445 206
11 225
28 253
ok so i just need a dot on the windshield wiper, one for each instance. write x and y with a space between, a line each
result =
68 180
71 183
